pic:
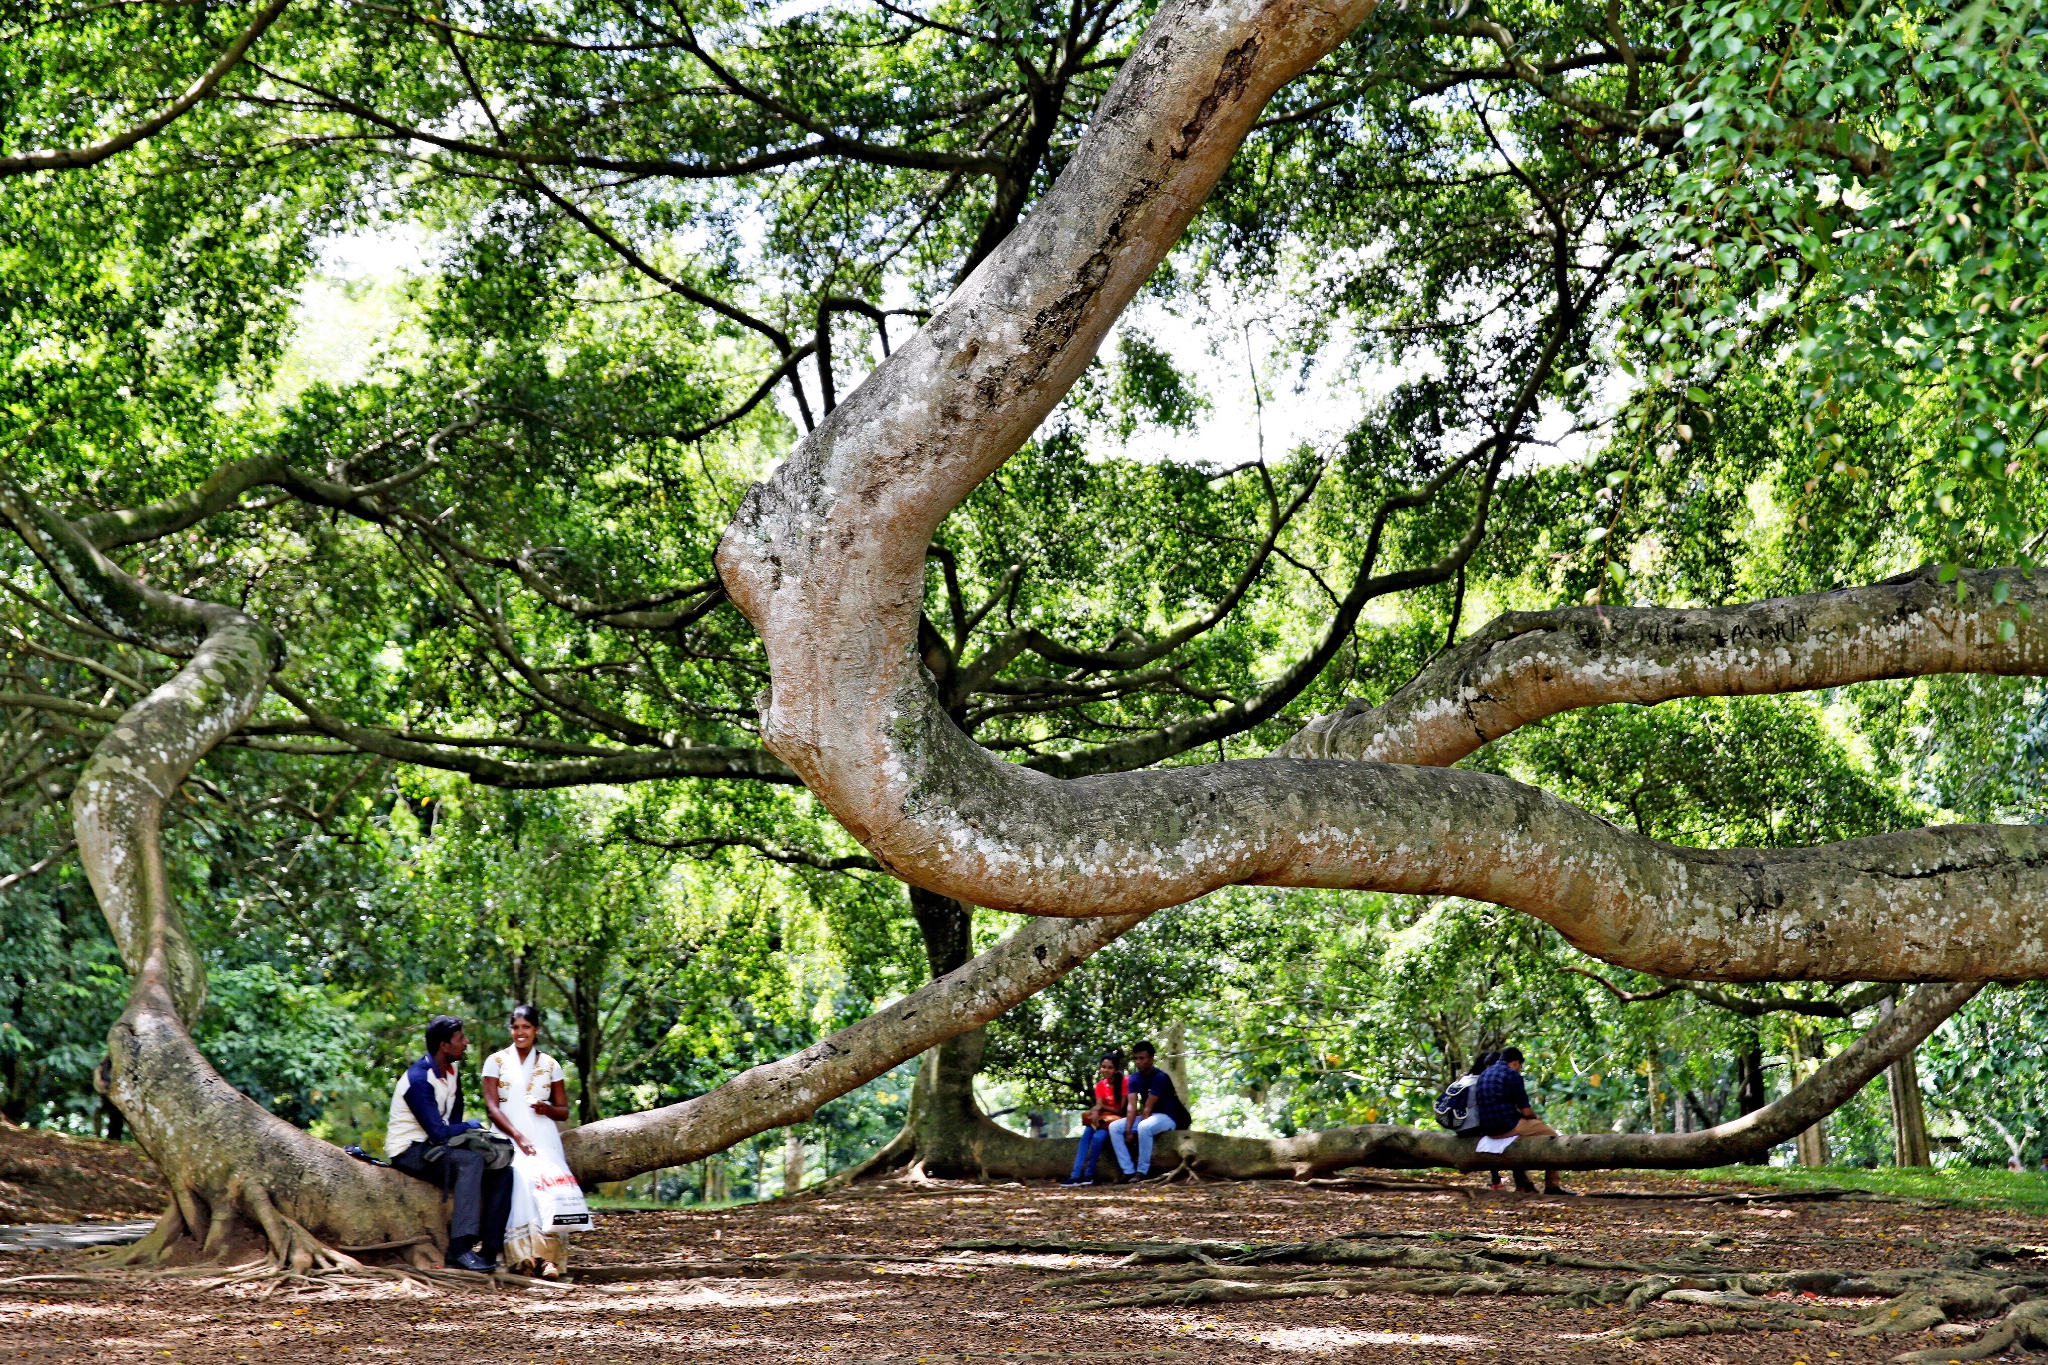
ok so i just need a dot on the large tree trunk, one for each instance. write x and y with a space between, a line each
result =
239 1175
945 1133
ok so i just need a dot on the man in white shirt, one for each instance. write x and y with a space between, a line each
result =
426 1112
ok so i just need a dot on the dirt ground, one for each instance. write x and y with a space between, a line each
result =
46 1177
951 1306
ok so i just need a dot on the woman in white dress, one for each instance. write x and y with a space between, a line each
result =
525 1096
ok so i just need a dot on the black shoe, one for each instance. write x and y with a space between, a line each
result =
471 1261
1073 1184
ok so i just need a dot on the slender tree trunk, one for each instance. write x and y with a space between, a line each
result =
1909 1112
240 1176
584 1004
1174 1060
792 1162
1750 1094
1812 1143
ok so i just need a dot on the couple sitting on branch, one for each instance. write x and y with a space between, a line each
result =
511 1195
1145 1102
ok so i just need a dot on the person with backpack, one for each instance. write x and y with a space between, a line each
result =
1457 1110
1501 1101
1109 1104
1454 1108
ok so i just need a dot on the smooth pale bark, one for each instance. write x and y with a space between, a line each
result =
1525 666
1744 1139
237 1172
827 558
790 1090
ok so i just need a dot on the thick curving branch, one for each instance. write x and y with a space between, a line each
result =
230 1163
1525 666
790 1090
826 560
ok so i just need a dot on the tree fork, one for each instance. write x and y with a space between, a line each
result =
826 560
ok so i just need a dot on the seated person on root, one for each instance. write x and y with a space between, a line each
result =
1152 1107
525 1096
426 1114
1109 1104
1504 1111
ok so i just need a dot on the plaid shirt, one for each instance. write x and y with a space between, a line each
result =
1501 1098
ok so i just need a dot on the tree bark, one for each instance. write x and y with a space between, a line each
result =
240 1176
792 1162
1525 666
1812 1143
1748 1138
1909 1111
1750 1094
1173 1060
790 1090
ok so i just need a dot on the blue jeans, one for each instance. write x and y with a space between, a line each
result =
1148 1129
1093 1140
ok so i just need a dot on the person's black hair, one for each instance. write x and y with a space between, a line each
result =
530 1013
1485 1060
1511 1054
1116 1055
440 1029
1143 1046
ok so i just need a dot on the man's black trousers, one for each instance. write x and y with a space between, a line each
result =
483 1199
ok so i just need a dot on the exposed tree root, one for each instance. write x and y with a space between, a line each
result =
2026 1325
155 1246
1179 1274
1706 1327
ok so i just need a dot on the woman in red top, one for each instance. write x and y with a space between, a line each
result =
1109 1104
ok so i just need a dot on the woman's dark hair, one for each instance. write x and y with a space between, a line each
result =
1115 1057
1484 1060
530 1013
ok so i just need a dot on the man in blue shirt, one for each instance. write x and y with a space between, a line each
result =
1504 1111
426 1112
1154 1108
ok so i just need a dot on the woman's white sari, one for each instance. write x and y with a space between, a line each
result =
545 1197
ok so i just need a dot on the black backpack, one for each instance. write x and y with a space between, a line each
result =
1458 1107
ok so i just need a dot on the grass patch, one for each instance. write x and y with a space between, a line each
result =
1974 1186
